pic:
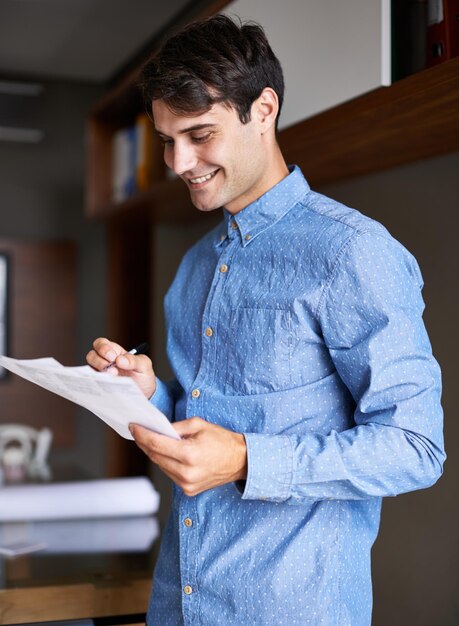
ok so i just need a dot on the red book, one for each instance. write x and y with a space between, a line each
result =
442 31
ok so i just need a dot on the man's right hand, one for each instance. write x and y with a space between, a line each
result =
137 366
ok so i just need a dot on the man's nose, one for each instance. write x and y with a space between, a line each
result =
184 159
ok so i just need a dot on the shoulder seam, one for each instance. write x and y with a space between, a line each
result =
332 218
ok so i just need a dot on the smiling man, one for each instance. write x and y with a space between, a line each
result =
224 162
305 389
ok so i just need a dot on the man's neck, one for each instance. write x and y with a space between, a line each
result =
277 170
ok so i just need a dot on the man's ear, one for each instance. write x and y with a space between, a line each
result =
265 109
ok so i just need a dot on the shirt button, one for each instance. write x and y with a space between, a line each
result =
195 393
188 522
247 237
222 237
187 589
223 268
209 332
233 225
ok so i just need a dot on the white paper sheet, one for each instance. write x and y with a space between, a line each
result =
113 497
133 534
115 399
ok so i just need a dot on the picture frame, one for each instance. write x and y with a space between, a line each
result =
4 271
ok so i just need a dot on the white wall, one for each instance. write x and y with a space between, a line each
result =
330 50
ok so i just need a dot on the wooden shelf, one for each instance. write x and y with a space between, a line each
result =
413 119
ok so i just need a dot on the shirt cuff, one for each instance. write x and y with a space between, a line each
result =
162 399
269 467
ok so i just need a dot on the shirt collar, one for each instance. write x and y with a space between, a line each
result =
266 211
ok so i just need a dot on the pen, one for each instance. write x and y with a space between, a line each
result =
140 349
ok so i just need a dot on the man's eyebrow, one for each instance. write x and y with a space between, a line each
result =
188 129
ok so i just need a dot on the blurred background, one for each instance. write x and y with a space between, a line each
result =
92 227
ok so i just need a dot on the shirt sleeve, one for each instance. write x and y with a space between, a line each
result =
370 314
164 397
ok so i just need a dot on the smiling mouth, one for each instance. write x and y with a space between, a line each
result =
202 179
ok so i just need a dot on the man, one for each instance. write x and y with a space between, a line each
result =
305 386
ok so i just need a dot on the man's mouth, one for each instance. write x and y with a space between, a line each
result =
202 179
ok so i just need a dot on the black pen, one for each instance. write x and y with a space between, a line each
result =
140 349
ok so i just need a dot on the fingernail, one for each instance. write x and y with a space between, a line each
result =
110 356
122 361
131 429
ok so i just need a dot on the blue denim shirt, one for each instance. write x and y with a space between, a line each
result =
319 355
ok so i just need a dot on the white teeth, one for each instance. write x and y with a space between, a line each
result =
202 179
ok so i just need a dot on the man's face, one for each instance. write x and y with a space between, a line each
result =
222 161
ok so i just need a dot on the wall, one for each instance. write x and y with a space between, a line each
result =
41 198
330 50
415 557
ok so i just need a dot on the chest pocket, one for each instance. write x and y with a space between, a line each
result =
259 351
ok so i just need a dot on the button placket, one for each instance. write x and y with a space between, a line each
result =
206 367
189 543
190 536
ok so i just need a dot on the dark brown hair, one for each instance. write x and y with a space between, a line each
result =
214 60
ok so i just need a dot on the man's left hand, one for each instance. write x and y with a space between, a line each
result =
207 456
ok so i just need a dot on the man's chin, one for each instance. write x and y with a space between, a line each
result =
205 207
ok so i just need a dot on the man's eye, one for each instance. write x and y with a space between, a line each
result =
166 142
201 138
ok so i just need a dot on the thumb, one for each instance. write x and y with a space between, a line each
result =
138 363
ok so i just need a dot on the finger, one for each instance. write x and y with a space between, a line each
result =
155 444
190 426
96 361
139 363
161 460
173 470
185 476
108 350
